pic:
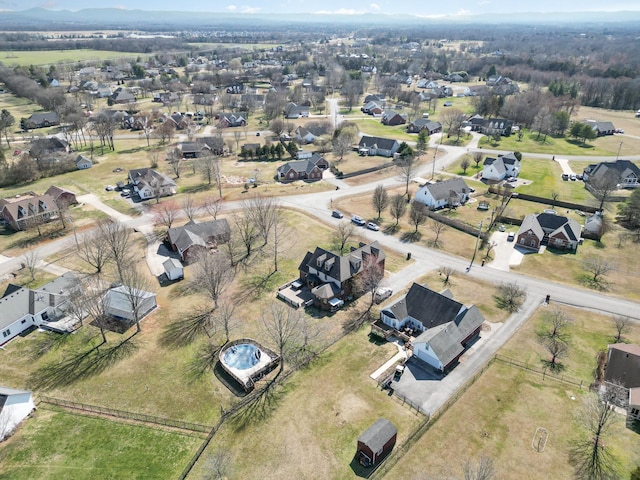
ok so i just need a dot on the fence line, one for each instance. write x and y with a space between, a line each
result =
139 417
545 372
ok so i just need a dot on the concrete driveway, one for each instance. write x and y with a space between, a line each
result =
504 253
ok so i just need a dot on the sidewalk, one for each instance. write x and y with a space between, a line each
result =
401 356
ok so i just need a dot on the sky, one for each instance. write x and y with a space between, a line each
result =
346 7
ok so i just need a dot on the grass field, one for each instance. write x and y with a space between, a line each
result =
373 127
27 57
55 445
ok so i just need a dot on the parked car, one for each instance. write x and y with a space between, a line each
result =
399 371
125 192
110 188
618 130
373 226
382 293
572 177
358 220
511 237
257 134
502 228
447 104
565 177
337 214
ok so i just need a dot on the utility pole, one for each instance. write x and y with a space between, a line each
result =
475 250
619 148
435 153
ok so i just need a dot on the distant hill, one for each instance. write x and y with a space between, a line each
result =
113 18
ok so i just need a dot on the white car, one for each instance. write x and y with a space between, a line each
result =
358 220
373 226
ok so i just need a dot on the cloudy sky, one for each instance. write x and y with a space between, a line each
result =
450 7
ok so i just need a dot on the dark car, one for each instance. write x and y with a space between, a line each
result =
337 214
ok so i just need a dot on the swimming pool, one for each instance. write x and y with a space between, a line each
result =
242 356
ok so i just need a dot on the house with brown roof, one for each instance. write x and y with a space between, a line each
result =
623 369
548 229
442 328
61 196
389 117
195 237
24 211
310 168
331 277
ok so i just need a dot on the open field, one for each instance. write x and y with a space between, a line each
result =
55 444
308 428
28 57
373 127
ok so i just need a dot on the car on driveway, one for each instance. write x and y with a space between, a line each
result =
373 226
511 237
337 214
502 228
110 188
358 220
125 192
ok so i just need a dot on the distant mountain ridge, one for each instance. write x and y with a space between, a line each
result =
115 18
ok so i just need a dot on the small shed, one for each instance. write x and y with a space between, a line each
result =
128 303
15 406
173 269
376 442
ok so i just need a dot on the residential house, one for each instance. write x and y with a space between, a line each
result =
216 144
293 110
602 128
15 406
626 173
623 370
475 122
549 229
491 126
373 108
497 169
127 303
449 193
204 99
49 149
442 328
593 226
310 133
24 211
374 97
82 162
389 117
310 168
173 269
45 307
61 196
122 96
193 149
195 237
227 120
40 120
148 183
424 124
476 91
495 80
331 277
384 147
376 442
506 89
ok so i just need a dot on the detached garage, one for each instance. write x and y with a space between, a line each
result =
376 442
15 406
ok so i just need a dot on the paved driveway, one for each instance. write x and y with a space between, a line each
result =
504 253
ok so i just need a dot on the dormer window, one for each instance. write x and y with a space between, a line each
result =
22 212
43 205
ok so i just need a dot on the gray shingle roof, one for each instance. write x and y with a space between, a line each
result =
378 434
623 365
443 190
377 142
341 268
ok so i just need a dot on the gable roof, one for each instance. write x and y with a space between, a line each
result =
198 233
54 192
341 268
378 434
623 365
426 306
447 188
554 224
377 142
624 168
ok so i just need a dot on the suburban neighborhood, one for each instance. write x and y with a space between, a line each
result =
250 250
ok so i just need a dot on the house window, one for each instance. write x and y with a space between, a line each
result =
6 333
44 316
635 411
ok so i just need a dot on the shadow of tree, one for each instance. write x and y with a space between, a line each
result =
410 237
51 341
82 365
554 367
254 286
187 330
391 229
259 407
355 322
203 362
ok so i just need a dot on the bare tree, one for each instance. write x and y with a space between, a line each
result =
212 206
557 349
452 120
477 158
342 234
76 306
483 470
92 247
598 267
119 243
96 302
437 228
166 214
591 456
218 465
224 318
417 215
189 207
281 237
209 166
407 172
212 274
464 165
510 296
283 326
30 261
380 199
262 211
604 186
445 273
398 207
622 325
369 279
342 145
176 162
276 126
135 287
555 324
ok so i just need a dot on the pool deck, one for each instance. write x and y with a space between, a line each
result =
246 374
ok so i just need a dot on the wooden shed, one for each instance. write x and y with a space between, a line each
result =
376 442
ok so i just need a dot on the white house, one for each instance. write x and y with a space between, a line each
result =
15 406
151 184
128 303
22 308
450 193
497 169
82 162
442 328
173 269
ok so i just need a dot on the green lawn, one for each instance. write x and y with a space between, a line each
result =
546 178
374 128
50 57
54 444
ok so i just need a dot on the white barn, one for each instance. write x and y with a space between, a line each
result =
15 406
